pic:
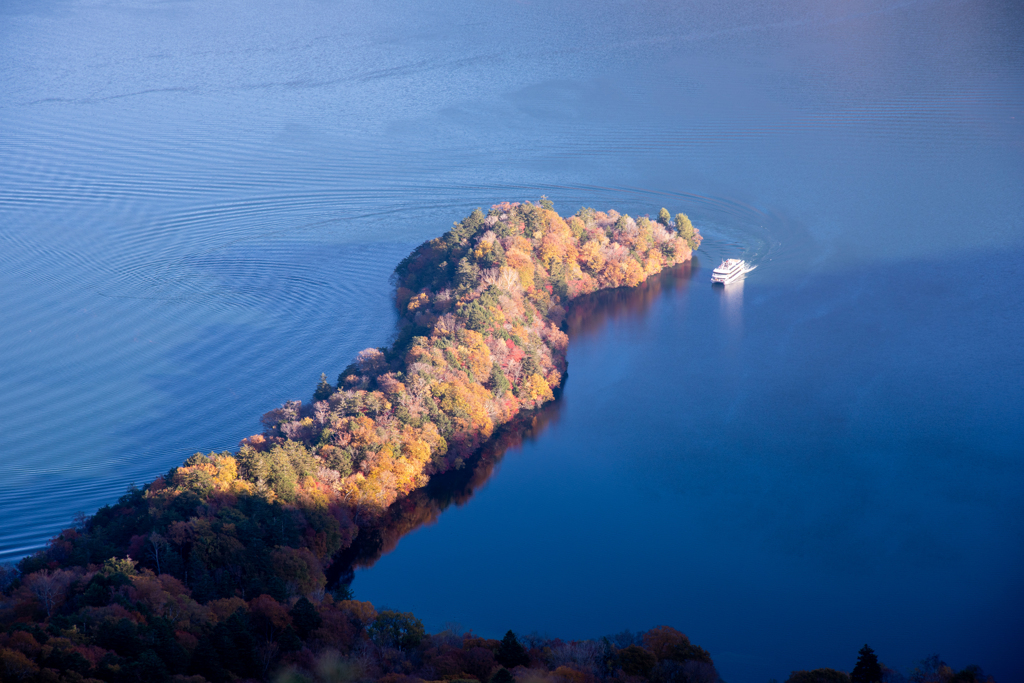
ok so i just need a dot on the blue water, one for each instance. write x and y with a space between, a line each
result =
201 203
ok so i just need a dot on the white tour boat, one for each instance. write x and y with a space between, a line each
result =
731 270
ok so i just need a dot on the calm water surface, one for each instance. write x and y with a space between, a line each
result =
201 203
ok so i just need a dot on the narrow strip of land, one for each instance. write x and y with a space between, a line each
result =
216 570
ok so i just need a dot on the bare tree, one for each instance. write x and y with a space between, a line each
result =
266 651
489 277
156 549
328 476
321 409
581 655
514 371
447 324
371 361
508 280
50 587
450 634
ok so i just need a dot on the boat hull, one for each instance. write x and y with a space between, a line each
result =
729 280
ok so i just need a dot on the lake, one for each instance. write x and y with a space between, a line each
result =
201 205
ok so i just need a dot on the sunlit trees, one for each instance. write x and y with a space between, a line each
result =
371 362
222 560
687 231
479 342
323 389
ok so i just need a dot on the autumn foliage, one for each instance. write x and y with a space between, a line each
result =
480 341
217 571
222 575
116 622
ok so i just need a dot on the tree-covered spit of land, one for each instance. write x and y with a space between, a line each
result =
217 568
216 571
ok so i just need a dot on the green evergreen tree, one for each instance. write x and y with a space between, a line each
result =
867 670
305 618
664 217
622 224
323 390
511 652
498 381
636 661
686 231
502 675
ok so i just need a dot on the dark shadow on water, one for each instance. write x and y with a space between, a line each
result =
587 315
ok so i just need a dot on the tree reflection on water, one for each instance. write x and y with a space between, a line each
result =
585 316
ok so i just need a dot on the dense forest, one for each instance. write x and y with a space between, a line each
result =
217 571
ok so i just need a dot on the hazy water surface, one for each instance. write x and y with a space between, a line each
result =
201 203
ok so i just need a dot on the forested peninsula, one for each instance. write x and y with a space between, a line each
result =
218 571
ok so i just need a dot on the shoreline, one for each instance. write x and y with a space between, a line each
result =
481 347
425 505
